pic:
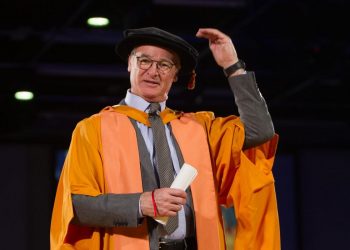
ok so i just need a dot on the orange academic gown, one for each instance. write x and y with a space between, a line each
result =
103 158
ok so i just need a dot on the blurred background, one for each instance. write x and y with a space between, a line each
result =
299 50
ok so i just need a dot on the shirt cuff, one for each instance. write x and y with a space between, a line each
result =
140 211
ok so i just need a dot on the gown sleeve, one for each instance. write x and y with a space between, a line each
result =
82 174
245 181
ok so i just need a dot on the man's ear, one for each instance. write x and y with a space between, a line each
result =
176 78
129 64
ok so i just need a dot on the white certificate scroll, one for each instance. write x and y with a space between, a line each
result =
182 181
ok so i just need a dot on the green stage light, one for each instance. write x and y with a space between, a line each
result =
98 21
24 95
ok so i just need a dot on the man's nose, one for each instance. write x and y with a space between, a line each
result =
154 68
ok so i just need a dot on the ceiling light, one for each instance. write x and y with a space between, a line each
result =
24 95
98 21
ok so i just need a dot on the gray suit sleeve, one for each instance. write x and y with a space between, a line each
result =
252 110
107 210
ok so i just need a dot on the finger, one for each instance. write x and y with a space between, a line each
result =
207 32
177 201
175 207
169 209
207 35
171 199
177 192
170 213
211 34
166 201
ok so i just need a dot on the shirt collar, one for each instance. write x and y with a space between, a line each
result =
139 103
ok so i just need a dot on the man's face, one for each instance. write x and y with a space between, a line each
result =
152 84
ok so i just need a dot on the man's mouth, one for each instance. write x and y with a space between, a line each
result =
152 82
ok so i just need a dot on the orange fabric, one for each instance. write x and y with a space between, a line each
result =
167 114
227 176
254 198
82 174
122 173
191 138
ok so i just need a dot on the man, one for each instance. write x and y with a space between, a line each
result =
113 185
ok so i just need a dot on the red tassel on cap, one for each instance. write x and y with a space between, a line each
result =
192 81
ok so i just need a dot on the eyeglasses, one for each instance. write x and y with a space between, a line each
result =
143 62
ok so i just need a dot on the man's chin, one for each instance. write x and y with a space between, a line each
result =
154 98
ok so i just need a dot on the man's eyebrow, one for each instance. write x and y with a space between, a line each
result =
143 54
162 59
